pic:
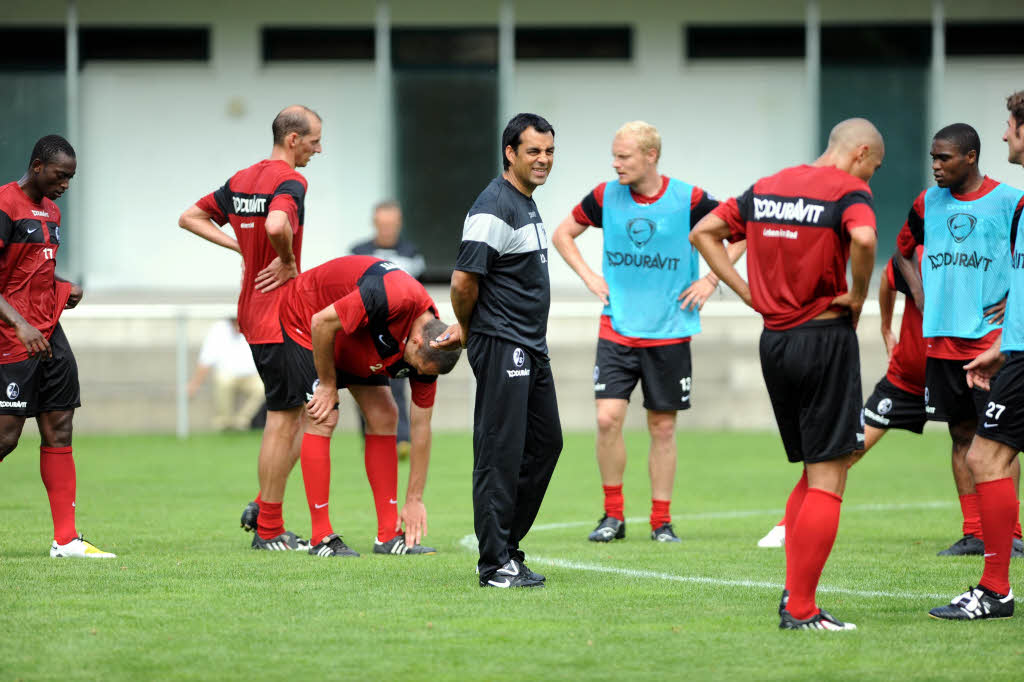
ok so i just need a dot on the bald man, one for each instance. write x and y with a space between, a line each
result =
802 225
265 205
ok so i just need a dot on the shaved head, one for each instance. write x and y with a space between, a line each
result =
855 132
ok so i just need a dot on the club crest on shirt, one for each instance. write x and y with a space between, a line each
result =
640 230
961 225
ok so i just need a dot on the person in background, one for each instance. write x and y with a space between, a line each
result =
388 244
237 387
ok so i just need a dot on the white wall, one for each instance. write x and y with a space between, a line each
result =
158 136
975 92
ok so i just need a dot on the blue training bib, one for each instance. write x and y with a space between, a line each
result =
967 260
648 262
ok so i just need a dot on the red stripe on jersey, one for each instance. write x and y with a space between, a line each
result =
797 224
29 241
245 201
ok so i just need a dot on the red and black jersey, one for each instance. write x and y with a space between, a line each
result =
797 225
907 364
29 239
912 236
590 212
245 201
377 303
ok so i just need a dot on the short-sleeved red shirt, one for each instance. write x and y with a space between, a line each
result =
377 303
245 201
29 239
907 364
590 212
797 225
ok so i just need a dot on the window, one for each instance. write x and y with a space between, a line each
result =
572 42
444 47
1005 38
299 44
743 41
146 44
32 48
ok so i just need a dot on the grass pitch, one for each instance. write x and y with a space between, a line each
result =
187 599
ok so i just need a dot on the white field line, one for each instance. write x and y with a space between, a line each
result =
469 543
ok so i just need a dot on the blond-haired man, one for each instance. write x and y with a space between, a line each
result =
652 295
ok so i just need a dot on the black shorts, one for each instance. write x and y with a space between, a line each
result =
947 397
39 385
890 407
813 377
665 371
1002 418
294 374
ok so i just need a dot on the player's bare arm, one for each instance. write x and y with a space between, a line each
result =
886 303
282 268
30 337
413 516
465 291
862 262
198 222
699 291
707 237
564 239
911 271
326 325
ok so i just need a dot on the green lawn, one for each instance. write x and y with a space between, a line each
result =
187 599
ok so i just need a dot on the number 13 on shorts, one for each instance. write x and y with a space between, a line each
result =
684 387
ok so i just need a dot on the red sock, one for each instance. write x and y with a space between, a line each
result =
815 529
381 460
316 476
972 517
57 469
997 501
258 500
659 513
793 504
1016 528
613 502
271 522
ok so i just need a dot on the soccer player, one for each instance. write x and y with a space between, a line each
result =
36 363
501 294
802 225
1000 436
388 244
265 205
966 224
649 266
352 323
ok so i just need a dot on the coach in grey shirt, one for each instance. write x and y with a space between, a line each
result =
501 294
